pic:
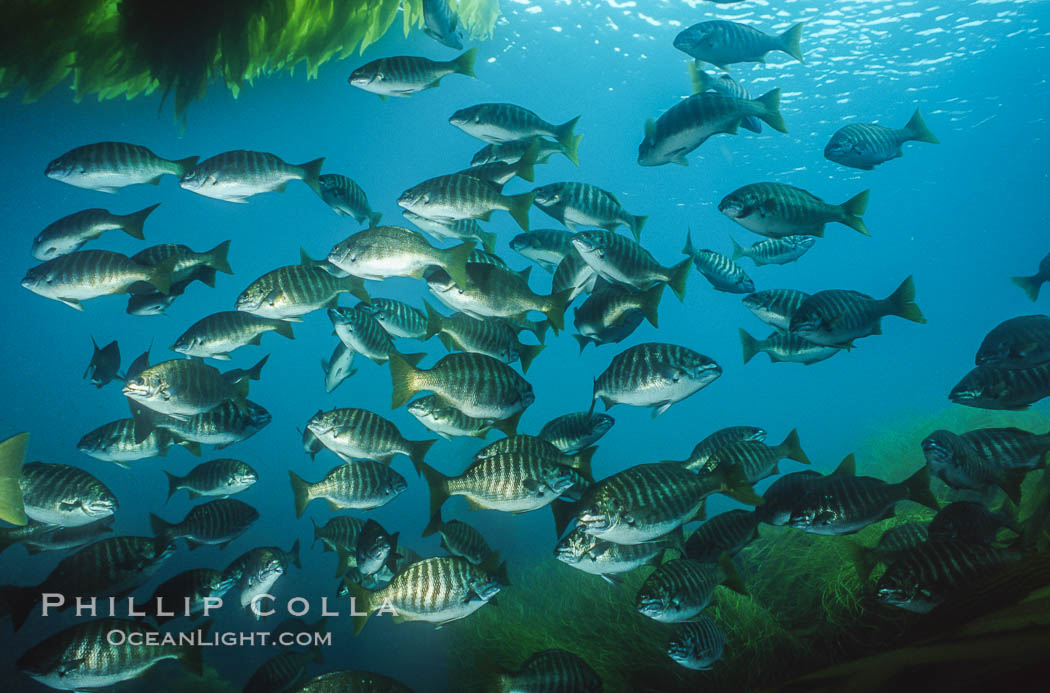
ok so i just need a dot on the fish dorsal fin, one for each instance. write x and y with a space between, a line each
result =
847 467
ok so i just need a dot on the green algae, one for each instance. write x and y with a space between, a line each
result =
127 48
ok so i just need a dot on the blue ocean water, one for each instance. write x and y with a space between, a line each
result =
961 217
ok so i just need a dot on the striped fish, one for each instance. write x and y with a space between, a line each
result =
460 539
216 335
256 571
187 592
723 273
281 672
70 233
836 317
843 504
112 566
63 495
785 348
993 388
654 375
84 656
347 198
375 547
1031 284
480 257
510 482
107 166
550 670
237 175
494 292
609 560
896 542
573 432
780 498
574 275
865 145
613 311
1017 343
221 426
459 230
404 75
215 479
120 442
490 337
436 590
504 122
955 460
440 23
398 318
703 453
339 534
516 151
536 447
393 251
728 533
775 251
972 522
39 536
379 579
727 86
723 43
475 384
679 590
697 644
934 571
779 211
338 367
583 204
546 247
499 172
647 501
86 274
217 522
755 458
689 123
358 434
447 421
188 265
356 681
359 330
455 197
154 302
620 260
289 292
181 388
775 306
362 486
1010 448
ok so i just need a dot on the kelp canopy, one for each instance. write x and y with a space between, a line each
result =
131 47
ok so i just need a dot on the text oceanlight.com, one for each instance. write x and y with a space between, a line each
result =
199 638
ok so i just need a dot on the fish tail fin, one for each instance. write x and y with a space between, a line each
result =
300 492
853 210
403 375
509 425
649 304
464 64
582 341
738 250
1008 515
417 449
19 602
918 488
861 556
792 448
373 219
317 531
572 149
134 222
492 676
847 467
312 174
749 344
186 165
1030 285
362 601
255 372
917 130
525 168
218 260
528 352
902 302
434 319
160 275
433 525
770 102
355 286
730 576
679 275
173 484
581 462
689 250
294 553
1011 485
564 132
283 328
700 80
160 527
539 328
556 309
518 206
637 222
456 260
488 241
437 483
12 455
563 512
791 41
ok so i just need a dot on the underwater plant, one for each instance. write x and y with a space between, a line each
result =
128 48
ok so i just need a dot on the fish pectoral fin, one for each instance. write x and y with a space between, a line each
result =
612 578
108 189
661 407
72 303
534 487
68 665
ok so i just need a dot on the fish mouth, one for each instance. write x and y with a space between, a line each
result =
584 245
398 486
961 395
592 522
247 304
800 521
566 554
135 390
649 606
101 507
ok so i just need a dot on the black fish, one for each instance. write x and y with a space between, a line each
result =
1017 343
105 363
972 522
